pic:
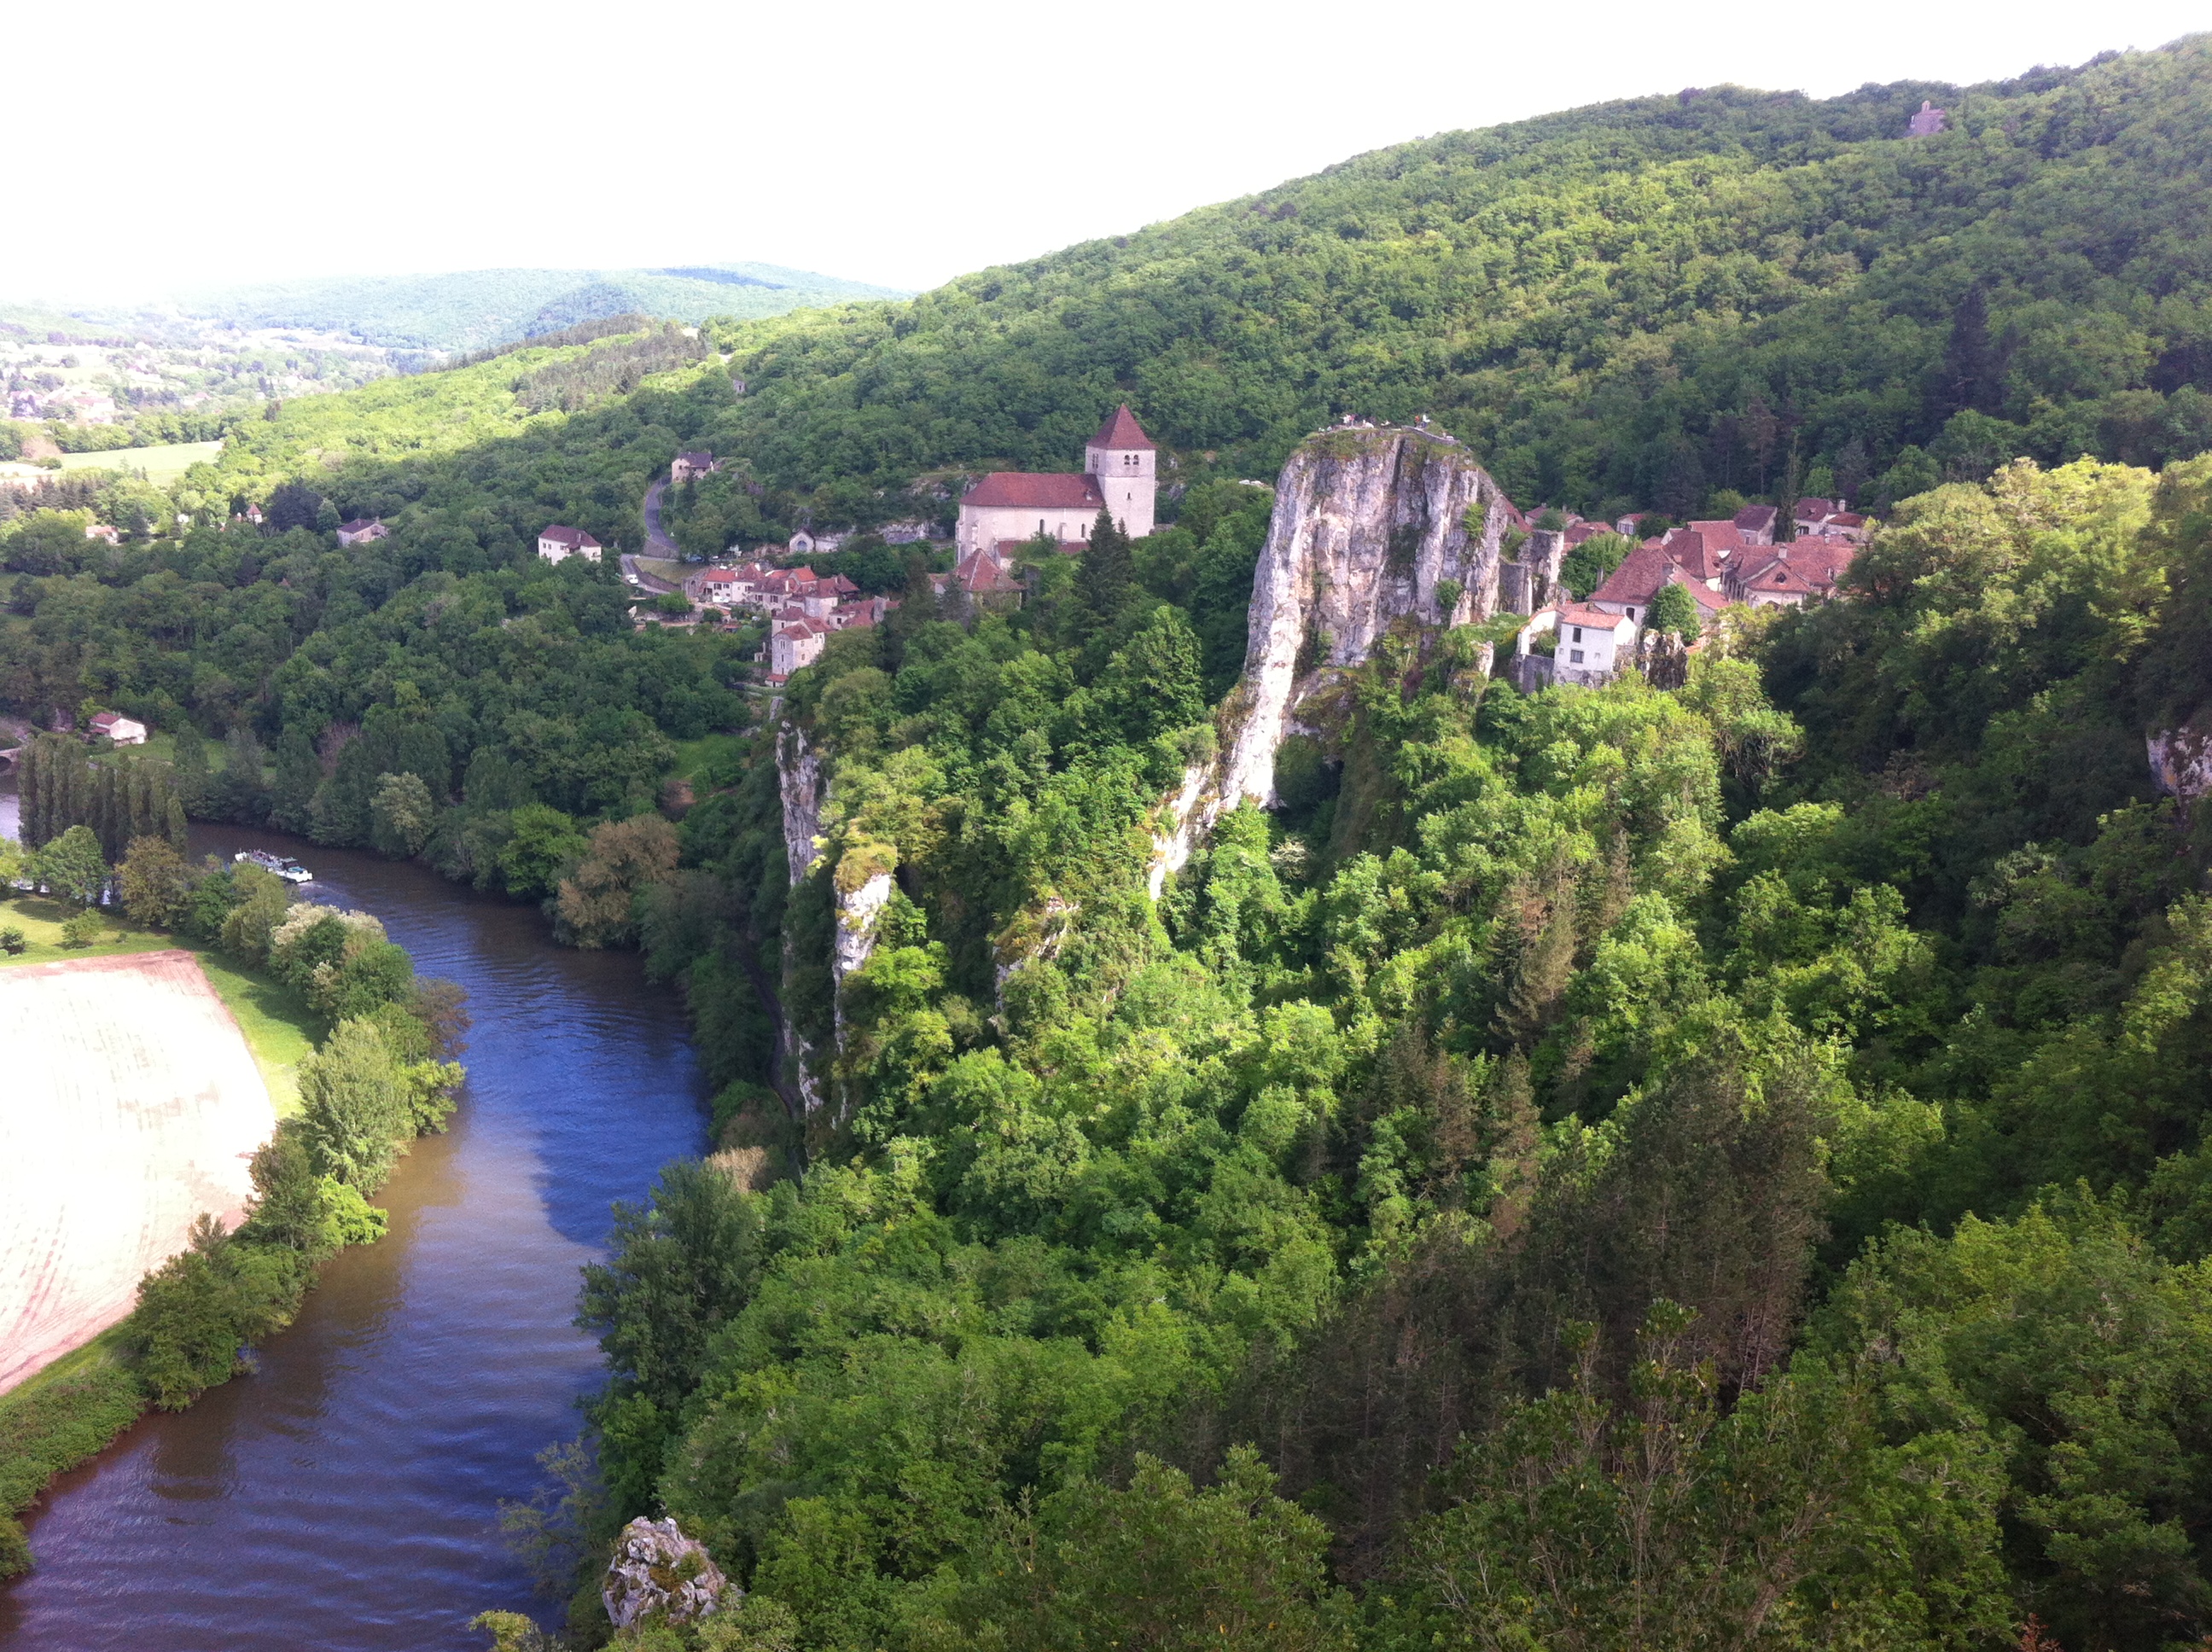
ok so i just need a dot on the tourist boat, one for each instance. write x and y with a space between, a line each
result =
284 865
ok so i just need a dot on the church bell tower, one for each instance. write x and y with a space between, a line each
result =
1121 456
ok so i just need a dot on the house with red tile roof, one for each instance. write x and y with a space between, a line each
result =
1118 477
1755 522
1804 570
796 642
363 530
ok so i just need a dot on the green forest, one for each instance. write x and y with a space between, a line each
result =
1606 1168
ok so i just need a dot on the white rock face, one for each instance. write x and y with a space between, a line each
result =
1367 523
804 789
656 1569
856 935
2181 764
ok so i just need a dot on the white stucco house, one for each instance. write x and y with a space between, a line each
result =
559 543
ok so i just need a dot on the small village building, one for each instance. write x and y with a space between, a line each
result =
718 585
123 731
105 531
1118 477
1804 570
1928 122
363 530
796 642
985 577
559 543
1588 647
1754 524
691 465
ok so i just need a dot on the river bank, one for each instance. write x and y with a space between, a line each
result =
345 1494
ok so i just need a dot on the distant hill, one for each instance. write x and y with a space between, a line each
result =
469 309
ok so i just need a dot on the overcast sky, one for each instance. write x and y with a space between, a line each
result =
160 147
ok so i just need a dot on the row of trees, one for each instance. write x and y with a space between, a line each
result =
119 797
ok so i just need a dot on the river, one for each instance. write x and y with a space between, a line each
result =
344 1495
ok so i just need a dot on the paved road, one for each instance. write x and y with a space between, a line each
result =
656 543
648 582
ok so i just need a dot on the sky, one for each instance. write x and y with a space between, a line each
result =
251 140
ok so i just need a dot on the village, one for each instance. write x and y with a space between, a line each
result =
1744 561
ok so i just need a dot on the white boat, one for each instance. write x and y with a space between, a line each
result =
282 865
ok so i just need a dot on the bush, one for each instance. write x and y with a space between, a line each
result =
81 930
12 938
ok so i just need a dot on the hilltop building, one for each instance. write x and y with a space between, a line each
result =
1928 122
1119 476
688 466
361 529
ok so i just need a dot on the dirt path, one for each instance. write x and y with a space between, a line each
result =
129 1104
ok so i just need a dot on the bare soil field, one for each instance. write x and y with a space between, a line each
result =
129 1104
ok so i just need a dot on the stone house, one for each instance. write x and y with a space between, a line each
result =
363 530
691 465
795 643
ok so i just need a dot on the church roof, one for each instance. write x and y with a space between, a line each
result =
1122 431
1039 490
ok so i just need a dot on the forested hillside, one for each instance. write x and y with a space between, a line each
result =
1606 1168
1623 305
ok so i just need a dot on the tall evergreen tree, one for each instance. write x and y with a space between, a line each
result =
1107 574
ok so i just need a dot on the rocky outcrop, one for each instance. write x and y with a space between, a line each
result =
857 911
658 1575
806 789
1370 526
2181 764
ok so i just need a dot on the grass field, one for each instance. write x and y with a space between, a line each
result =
162 465
134 1105
279 1028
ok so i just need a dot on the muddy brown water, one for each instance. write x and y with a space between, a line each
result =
345 1496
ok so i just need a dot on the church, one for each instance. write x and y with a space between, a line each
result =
1118 475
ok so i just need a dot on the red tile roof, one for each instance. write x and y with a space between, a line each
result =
566 536
1575 613
1637 579
1122 431
1037 490
1756 518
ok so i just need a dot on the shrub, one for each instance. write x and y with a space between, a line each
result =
12 938
83 930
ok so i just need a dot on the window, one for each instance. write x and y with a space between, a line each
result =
1631 613
1579 633
1574 656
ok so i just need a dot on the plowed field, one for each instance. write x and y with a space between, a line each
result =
129 1104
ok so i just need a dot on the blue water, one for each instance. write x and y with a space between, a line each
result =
346 1495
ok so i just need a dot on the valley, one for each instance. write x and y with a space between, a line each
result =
1465 904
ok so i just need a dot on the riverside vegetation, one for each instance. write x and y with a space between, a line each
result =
379 1076
1608 1168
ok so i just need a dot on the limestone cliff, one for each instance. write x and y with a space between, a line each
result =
1367 524
805 790
2181 764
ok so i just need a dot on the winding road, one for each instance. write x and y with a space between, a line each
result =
657 542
